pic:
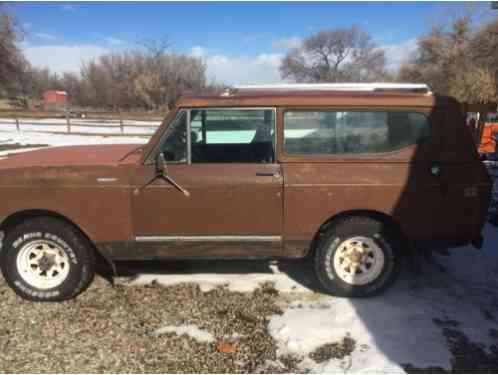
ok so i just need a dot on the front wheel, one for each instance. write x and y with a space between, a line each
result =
46 259
357 257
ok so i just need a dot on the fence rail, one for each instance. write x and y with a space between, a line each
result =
114 115
77 126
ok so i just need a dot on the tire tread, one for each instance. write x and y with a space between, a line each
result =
352 224
70 234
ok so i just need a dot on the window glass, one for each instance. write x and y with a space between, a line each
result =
352 132
407 129
232 136
174 146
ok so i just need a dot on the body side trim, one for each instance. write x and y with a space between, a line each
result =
208 238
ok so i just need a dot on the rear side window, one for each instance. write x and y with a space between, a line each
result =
352 132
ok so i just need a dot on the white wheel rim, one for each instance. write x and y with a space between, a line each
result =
358 260
43 264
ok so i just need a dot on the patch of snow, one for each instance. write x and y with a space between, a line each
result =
37 131
188 329
394 340
31 138
236 282
60 123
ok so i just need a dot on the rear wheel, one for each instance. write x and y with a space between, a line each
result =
357 257
46 259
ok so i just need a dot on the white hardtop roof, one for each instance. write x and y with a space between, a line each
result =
418 87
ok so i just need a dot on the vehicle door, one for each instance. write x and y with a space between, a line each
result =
231 205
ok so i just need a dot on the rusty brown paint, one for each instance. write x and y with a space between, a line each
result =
101 189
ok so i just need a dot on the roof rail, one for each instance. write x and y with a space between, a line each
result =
408 87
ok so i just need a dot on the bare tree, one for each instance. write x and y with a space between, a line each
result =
12 61
460 61
139 78
333 56
155 47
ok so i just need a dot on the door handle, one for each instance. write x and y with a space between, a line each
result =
269 174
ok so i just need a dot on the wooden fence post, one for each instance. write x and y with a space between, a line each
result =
121 122
17 124
68 121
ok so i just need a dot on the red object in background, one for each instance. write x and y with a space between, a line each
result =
53 99
487 143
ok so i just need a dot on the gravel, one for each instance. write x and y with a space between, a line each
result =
337 350
111 329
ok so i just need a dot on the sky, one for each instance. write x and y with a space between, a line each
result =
239 42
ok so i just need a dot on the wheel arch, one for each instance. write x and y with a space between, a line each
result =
382 217
18 217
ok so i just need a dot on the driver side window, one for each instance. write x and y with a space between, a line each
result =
232 135
221 136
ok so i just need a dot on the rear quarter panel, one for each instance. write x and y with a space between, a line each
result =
467 180
314 193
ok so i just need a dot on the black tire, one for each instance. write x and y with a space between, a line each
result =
348 228
69 239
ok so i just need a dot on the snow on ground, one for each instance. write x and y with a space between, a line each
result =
60 124
235 282
36 135
188 329
38 128
27 138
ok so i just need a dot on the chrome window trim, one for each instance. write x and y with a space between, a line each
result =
189 145
222 238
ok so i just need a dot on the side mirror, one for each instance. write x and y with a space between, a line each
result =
160 164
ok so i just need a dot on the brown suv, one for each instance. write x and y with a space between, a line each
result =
354 176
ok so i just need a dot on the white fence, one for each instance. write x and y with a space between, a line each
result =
78 126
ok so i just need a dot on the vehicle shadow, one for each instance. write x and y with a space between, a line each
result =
296 272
